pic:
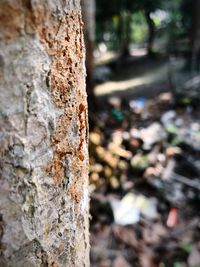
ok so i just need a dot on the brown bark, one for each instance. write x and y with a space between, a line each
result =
43 140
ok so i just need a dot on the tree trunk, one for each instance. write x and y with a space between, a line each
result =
151 36
88 11
43 139
195 37
124 33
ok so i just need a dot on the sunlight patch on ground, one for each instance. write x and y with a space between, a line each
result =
104 58
138 52
147 78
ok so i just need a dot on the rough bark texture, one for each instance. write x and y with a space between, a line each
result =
43 139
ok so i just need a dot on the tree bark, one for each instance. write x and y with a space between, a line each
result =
43 139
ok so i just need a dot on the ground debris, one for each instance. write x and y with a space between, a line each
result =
145 183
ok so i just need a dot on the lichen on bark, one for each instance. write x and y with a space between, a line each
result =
44 185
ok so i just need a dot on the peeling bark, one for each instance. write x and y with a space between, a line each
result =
43 139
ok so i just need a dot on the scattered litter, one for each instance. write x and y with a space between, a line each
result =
152 134
149 148
114 101
131 207
172 219
125 211
137 105
168 116
194 258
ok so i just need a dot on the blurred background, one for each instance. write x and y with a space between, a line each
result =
143 84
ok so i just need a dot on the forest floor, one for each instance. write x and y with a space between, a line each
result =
144 171
136 78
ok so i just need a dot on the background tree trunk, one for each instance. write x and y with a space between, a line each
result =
151 33
124 33
88 11
195 37
43 140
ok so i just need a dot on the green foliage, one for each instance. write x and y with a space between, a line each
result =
109 24
139 29
187 247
